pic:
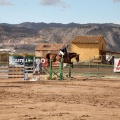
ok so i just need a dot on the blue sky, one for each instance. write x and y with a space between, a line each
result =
60 11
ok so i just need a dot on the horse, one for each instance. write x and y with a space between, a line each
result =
66 59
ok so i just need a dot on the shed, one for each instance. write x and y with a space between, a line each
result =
43 48
88 47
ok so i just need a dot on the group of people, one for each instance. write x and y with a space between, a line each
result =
63 51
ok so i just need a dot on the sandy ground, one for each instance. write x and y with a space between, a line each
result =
73 99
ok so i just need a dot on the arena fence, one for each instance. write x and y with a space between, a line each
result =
98 67
96 71
89 68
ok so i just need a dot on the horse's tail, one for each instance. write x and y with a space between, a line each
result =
48 55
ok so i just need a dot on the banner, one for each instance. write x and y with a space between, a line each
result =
18 61
117 65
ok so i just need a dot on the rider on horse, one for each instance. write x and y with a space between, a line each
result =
63 51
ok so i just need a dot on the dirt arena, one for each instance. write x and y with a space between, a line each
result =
73 99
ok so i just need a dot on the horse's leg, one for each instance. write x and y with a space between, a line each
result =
71 64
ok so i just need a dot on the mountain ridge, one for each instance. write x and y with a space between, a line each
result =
31 34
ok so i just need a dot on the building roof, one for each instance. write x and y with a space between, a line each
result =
88 39
112 52
47 46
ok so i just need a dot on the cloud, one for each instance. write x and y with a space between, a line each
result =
116 0
5 2
53 3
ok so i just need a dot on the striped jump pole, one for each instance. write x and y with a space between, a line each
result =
24 65
15 72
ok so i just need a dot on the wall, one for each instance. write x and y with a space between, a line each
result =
38 53
86 51
104 45
44 52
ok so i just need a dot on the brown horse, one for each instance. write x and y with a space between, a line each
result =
66 59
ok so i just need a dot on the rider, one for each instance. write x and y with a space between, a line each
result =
63 51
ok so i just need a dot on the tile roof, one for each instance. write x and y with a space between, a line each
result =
88 39
47 46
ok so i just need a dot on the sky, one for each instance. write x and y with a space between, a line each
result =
60 11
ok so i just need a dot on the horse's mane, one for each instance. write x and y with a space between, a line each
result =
72 53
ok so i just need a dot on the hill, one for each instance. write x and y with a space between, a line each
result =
26 36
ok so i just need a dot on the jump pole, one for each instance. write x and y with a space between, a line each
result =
61 69
24 68
51 68
24 65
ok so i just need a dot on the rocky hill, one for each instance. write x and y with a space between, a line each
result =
26 36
